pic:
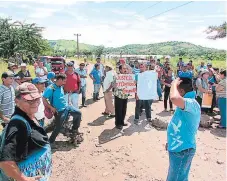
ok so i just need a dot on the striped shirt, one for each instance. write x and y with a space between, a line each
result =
135 70
222 92
7 101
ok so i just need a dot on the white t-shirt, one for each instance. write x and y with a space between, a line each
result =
41 72
40 113
108 80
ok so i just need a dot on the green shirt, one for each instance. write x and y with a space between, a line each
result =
48 66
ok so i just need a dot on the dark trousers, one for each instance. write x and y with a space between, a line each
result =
62 117
147 106
120 110
166 97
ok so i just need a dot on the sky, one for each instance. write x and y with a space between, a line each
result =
117 23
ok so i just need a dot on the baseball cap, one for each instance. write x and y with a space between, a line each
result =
28 91
209 64
38 80
7 74
23 65
185 64
51 75
69 64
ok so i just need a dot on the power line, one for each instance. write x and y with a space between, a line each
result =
128 4
170 9
149 7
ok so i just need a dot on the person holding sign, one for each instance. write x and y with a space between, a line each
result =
203 88
121 101
182 129
139 102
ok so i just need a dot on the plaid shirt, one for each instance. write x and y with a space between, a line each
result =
7 103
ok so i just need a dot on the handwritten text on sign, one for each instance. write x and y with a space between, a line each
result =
126 82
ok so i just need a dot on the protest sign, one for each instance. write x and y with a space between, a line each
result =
147 85
207 100
126 82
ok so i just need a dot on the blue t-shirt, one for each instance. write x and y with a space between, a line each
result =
96 74
58 99
187 74
135 70
183 127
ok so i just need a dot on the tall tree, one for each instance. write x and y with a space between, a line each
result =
220 31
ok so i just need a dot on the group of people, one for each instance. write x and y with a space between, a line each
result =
27 101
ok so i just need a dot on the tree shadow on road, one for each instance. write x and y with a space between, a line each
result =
144 126
99 121
219 132
109 135
63 146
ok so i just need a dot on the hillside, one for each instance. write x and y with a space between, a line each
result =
69 45
171 48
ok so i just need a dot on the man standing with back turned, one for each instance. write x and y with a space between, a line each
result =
182 129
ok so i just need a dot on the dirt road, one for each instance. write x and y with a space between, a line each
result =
136 154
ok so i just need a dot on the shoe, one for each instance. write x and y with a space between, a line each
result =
53 146
105 113
111 116
83 102
125 124
160 98
149 120
84 105
97 98
136 121
119 127
165 110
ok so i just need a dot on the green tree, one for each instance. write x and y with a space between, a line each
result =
219 30
99 51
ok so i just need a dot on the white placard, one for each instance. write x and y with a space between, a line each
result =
147 85
126 82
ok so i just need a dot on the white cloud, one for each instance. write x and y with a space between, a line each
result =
196 21
122 12
43 12
55 2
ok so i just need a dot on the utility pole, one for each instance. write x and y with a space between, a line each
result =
77 39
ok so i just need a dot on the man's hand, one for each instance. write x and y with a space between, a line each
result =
176 82
5 119
53 110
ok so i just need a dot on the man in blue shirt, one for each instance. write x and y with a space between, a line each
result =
202 66
136 68
182 129
184 72
83 75
60 108
96 76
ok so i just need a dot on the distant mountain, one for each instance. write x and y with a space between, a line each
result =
171 48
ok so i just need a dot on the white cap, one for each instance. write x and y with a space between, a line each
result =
23 65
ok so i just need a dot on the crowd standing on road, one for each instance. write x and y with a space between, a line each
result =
26 102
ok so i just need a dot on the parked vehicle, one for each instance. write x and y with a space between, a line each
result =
57 64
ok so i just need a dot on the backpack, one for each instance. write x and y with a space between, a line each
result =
47 111
2 136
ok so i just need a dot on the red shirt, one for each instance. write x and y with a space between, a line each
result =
72 82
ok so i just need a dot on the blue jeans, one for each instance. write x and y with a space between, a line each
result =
83 91
62 117
72 99
97 88
147 106
159 89
222 108
179 165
